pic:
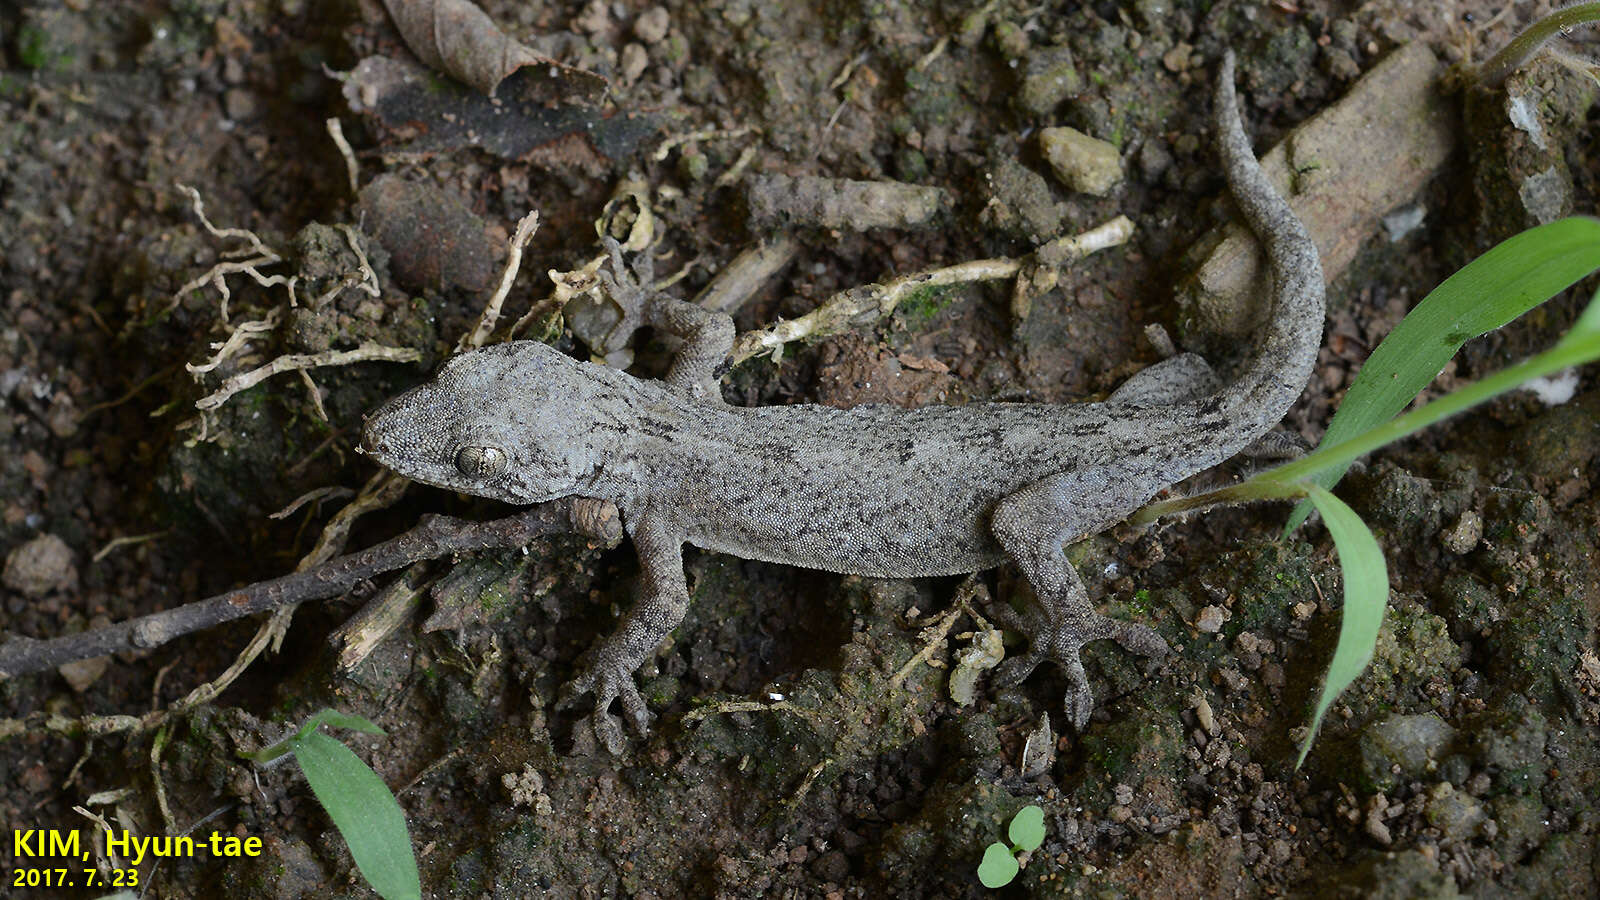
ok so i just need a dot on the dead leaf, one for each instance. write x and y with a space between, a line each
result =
434 240
458 38
427 113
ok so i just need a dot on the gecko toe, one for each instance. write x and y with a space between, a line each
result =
1060 642
567 695
608 679
1016 670
608 731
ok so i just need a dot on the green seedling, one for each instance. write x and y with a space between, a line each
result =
999 864
359 803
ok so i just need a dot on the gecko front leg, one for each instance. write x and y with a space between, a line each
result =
609 670
707 335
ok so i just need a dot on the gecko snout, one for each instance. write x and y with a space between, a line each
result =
370 442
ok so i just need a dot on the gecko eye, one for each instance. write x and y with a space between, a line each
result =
480 462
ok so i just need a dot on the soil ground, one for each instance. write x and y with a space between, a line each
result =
1462 763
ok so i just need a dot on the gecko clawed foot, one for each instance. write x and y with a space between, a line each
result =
609 678
1060 642
629 288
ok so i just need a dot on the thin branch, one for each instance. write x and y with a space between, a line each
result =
247 380
435 536
491 310
351 170
868 303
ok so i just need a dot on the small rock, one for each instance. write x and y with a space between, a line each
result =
1049 79
1021 202
1204 714
35 779
232 70
652 24
634 61
1455 814
1465 535
1155 160
1376 828
1179 59
1411 743
1279 851
434 239
40 566
1231 679
240 105
1039 751
62 417
84 672
1081 162
593 19
1210 619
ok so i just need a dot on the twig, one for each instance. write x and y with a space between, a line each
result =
247 380
870 302
866 303
158 745
258 253
256 248
704 134
433 537
330 492
933 635
132 392
491 310
736 171
314 394
746 706
747 273
336 131
114 543
243 332
363 632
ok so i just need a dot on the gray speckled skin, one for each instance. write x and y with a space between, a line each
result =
875 490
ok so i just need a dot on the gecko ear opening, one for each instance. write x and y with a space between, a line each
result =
480 462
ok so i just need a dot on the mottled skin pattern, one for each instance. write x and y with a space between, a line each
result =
876 490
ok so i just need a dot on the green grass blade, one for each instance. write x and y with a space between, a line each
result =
1366 594
366 814
1513 277
336 719
1573 350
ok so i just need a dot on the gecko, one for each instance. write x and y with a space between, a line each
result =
875 490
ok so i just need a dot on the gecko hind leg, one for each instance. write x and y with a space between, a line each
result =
1029 525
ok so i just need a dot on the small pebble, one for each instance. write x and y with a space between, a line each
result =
40 566
634 61
240 105
651 26
1083 163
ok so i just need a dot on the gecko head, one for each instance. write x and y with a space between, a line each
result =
511 422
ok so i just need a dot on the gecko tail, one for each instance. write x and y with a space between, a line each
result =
1285 350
